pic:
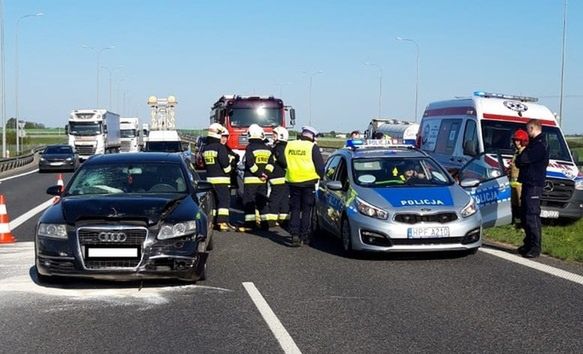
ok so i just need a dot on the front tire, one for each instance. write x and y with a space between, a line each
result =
346 238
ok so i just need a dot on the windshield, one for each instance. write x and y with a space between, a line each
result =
264 116
151 177
164 146
497 137
393 171
128 133
89 128
58 150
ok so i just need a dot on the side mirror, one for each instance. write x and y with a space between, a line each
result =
469 182
105 129
67 129
203 187
54 190
292 117
334 185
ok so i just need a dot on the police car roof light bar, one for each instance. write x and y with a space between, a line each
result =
504 96
375 143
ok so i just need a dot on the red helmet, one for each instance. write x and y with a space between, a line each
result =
521 136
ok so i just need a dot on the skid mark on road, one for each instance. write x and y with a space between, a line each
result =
18 279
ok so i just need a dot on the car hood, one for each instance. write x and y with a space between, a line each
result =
148 208
414 199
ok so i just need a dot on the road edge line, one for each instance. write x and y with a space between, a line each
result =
20 175
281 334
29 214
576 278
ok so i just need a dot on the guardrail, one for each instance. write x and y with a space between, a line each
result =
15 162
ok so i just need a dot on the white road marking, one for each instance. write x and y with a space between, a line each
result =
20 175
285 340
535 265
29 214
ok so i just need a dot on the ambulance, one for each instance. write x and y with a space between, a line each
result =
456 131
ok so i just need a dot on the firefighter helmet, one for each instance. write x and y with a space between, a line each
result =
255 132
281 133
215 130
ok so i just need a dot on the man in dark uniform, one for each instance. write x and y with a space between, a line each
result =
532 163
305 167
258 167
218 170
279 196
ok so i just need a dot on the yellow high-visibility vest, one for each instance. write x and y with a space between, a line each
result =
300 167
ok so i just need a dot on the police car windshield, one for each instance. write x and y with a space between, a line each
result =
498 138
399 172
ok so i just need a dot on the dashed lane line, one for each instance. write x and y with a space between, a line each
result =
20 175
281 334
29 214
535 265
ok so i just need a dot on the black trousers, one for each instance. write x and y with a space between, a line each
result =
302 200
254 197
530 217
223 194
279 201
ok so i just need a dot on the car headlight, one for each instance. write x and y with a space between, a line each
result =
579 184
176 230
470 209
42 159
52 230
370 210
69 159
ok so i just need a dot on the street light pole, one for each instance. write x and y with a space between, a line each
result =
380 85
417 72
310 94
16 76
110 72
563 62
98 52
2 81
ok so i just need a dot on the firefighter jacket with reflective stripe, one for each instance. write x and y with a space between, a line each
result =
304 162
280 165
216 162
258 162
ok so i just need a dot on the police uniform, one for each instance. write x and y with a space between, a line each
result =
279 196
218 170
305 166
532 162
258 167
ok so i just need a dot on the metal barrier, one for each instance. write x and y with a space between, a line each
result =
19 161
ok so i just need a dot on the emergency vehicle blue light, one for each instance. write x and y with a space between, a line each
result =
354 143
480 93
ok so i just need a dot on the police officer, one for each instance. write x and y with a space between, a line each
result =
218 168
532 163
305 166
519 140
233 158
279 196
258 167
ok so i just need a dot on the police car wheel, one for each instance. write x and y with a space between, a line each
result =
314 225
346 237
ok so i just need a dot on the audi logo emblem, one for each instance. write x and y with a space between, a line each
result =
549 186
112 237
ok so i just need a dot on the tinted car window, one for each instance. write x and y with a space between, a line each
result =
331 167
58 150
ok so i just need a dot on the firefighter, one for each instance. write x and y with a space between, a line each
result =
258 167
233 158
519 140
218 169
305 167
279 196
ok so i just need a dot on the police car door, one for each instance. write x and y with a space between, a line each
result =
492 193
322 207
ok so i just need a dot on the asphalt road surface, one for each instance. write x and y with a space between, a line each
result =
263 296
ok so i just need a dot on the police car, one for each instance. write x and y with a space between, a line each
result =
391 198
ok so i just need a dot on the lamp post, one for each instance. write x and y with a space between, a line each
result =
417 74
563 62
380 69
2 81
310 94
98 52
110 72
16 76
280 85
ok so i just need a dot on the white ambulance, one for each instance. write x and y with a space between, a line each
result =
459 130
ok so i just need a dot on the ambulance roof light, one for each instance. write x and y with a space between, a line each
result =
504 96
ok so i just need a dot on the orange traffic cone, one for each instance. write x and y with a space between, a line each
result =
5 233
60 181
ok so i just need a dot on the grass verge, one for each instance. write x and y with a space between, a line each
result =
560 240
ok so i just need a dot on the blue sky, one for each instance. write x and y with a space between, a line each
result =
199 50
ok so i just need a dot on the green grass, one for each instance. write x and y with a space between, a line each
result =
559 240
334 143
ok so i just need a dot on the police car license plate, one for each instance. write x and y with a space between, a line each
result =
95 252
427 232
549 214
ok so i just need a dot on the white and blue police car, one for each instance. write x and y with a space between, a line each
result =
390 198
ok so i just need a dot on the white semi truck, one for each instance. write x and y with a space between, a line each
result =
130 134
93 132
399 131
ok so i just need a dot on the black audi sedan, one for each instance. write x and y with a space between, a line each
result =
59 157
128 216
